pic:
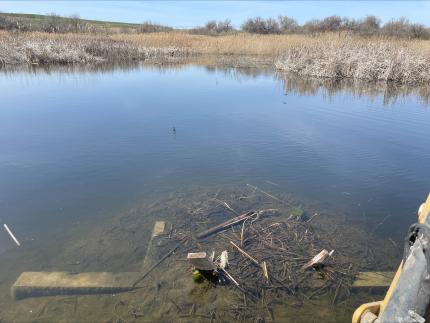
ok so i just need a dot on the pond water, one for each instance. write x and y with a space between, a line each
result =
79 147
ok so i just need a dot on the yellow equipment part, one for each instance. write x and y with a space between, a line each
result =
377 308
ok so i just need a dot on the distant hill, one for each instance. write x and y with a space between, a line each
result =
35 20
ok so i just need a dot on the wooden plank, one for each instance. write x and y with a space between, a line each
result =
156 247
159 227
31 284
200 261
373 279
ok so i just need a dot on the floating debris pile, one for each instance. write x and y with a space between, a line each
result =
275 251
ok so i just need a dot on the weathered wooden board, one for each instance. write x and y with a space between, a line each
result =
156 245
30 284
159 228
200 261
373 279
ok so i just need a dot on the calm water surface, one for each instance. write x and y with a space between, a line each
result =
79 145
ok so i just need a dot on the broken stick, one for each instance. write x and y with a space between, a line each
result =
225 225
262 265
158 262
269 195
11 235
243 252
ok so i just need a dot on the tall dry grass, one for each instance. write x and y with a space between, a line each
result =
233 44
335 55
406 62
327 55
43 48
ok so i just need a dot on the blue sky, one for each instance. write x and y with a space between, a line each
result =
193 13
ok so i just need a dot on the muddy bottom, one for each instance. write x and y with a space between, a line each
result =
285 233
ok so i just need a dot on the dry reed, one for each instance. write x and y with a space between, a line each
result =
42 48
327 55
348 57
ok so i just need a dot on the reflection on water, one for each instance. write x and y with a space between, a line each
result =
389 91
89 159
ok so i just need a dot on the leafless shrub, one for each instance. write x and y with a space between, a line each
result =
10 23
214 28
349 58
288 25
150 27
310 27
368 26
402 28
77 25
259 25
58 24
7 23
328 24
54 24
332 23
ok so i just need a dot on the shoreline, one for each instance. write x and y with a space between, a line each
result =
327 56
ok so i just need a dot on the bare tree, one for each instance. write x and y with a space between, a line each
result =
259 25
287 25
214 28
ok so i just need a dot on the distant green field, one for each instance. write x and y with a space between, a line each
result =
40 19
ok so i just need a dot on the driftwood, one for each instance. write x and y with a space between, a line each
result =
273 249
225 225
318 259
262 265
243 252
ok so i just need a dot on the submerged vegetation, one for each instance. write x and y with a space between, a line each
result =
283 240
336 48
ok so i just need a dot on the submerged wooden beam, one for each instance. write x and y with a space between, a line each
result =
30 284
159 228
155 245
373 279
